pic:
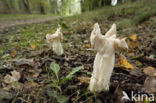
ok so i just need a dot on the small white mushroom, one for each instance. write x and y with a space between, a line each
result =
104 61
54 41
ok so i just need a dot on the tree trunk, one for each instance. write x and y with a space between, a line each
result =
42 10
26 6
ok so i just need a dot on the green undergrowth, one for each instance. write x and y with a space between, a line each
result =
9 17
127 16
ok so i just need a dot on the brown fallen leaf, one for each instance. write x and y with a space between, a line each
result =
133 44
27 86
14 78
136 72
150 85
84 80
12 54
124 63
118 94
90 101
151 71
87 46
138 63
5 95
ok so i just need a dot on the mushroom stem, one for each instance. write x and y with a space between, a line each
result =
57 47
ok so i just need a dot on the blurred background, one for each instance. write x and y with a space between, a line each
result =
64 7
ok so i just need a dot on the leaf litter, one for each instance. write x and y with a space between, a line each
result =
33 74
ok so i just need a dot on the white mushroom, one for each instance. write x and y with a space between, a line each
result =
105 46
54 41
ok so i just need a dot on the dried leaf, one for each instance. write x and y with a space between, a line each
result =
124 63
151 71
87 46
5 95
5 55
14 78
136 72
133 44
133 37
138 63
84 80
33 46
12 54
90 101
24 61
150 85
28 86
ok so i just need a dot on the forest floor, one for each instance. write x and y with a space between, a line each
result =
30 72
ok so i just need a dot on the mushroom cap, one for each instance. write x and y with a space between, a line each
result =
56 36
112 31
101 42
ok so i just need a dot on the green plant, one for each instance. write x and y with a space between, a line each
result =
56 82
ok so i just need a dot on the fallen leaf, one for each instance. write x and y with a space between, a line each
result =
124 63
84 80
6 95
87 46
28 86
5 55
151 71
150 85
118 94
133 44
138 63
133 37
24 61
14 78
130 54
152 56
33 46
12 54
90 101
136 72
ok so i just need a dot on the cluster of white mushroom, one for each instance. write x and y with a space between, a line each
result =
105 46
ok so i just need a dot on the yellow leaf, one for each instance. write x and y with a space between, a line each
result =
151 71
12 54
133 37
33 46
133 44
87 46
138 63
124 63
84 80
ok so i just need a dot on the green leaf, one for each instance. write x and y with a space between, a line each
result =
55 68
70 75
60 98
152 56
